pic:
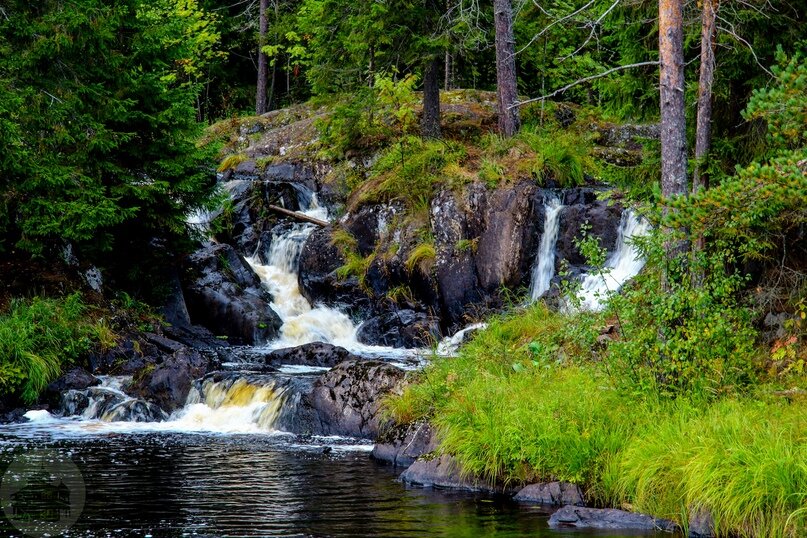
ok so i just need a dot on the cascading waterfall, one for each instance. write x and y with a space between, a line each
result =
302 323
544 267
624 264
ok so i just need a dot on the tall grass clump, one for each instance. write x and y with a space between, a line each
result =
743 461
38 337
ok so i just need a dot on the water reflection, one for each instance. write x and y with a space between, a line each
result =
166 484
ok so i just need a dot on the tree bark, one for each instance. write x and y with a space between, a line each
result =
671 84
506 82
447 72
263 61
673 119
430 119
703 130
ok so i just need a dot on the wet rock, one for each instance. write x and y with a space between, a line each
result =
701 524
314 354
168 384
224 294
604 221
608 518
402 445
174 309
347 399
502 256
76 378
400 329
555 493
318 280
15 416
444 472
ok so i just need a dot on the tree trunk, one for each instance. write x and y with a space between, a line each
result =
430 120
447 72
673 120
506 89
263 61
703 132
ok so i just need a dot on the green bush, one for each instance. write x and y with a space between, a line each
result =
38 337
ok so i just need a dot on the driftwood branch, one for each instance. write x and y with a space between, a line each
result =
299 216
582 80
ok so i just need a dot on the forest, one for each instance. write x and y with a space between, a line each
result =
581 223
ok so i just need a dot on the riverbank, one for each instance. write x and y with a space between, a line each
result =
527 401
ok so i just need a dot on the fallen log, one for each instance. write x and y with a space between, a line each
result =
297 215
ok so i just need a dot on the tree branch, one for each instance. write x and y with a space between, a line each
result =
582 80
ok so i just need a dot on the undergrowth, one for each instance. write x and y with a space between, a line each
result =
38 337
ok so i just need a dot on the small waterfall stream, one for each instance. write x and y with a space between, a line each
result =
544 268
624 264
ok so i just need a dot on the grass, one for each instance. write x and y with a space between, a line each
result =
39 336
530 399
422 257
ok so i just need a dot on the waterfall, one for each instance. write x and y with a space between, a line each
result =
624 264
544 267
303 323
231 405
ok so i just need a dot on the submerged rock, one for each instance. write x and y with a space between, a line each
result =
225 295
554 493
608 518
402 445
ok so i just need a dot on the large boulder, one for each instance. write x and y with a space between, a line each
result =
601 216
225 295
347 399
399 328
318 354
169 383
608 518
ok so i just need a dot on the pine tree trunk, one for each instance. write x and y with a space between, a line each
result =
430 120
703 132
263 61
506 88
673 120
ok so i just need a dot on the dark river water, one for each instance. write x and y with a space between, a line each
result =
179 484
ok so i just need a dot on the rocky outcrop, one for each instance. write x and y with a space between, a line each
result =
608 518
402 445
319 282
553 493
401 328
168 384
347 399
224 294
317 354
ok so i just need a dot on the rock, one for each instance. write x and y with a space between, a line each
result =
168 384
604 221
347 399
608 518
108 406
444 472
402 445
400 329
701 524
74 379
555 493
224 294
314 354
15 416
318 280
502 256
174 309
